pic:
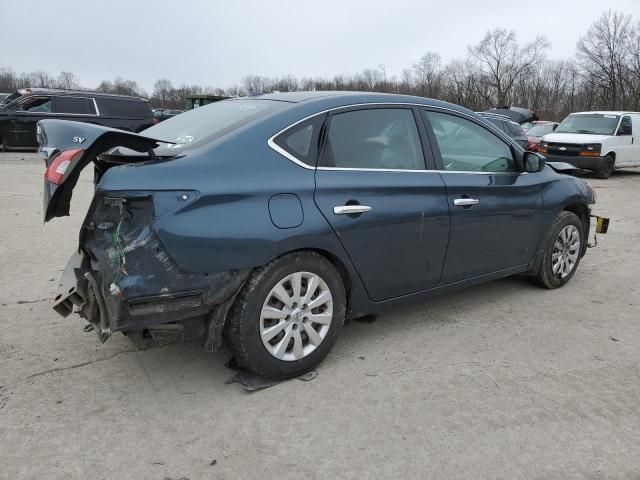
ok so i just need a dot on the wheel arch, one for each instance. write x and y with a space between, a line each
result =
336 261
583 213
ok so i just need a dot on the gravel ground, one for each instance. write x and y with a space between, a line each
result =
504 380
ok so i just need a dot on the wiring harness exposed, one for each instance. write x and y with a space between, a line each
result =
120 260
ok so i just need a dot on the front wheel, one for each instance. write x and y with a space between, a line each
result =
562 251
607 167
287 316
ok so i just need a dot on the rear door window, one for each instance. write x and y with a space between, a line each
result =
122 107
75 105
301 141
383 138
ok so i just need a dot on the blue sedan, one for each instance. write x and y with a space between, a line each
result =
266 222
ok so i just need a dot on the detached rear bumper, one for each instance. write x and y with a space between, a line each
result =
136 303
585 163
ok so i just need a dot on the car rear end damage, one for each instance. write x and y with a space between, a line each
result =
122 278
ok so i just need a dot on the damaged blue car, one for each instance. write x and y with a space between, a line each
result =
266 222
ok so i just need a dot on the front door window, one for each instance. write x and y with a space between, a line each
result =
467 147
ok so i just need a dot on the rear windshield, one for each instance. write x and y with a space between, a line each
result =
122 107
205 124
593 123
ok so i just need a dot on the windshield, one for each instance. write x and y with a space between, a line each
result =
540 130
205 124
593 123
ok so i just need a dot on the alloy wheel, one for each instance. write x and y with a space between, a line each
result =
296 316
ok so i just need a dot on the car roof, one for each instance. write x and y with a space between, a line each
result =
64 92
334 99
606 113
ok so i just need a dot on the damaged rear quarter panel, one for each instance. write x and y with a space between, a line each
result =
141 284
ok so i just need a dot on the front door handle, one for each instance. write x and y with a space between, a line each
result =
465 202
350 209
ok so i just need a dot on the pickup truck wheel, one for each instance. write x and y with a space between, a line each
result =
562 251
287 316
607 167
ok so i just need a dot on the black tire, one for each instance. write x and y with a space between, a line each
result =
242 329
545 276
607 168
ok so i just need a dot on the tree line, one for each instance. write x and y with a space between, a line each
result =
604 74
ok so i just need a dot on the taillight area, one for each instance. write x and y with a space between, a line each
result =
57 169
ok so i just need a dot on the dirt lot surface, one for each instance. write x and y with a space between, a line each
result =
504 380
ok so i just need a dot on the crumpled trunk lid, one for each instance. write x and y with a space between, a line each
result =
78 144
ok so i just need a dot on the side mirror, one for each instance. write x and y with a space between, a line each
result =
555 125
533 162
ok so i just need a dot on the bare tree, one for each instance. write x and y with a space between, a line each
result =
67 80
121 86
500 61
427 75
603 54
162 92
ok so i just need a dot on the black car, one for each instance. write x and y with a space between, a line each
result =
3 96
161 114
508 126
21 111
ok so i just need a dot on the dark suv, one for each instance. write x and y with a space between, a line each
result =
21 111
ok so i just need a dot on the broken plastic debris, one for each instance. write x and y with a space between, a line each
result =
114 289
252 382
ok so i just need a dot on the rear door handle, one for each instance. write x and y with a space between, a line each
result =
465 202
350 209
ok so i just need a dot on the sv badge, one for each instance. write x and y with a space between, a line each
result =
78 139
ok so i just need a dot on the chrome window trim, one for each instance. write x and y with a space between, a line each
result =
95 104
469 172
271 142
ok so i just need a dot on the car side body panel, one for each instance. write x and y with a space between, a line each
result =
215 217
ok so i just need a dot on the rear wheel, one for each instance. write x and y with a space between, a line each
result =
607 167
562 251
287 316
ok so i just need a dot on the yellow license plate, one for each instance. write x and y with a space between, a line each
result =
602 225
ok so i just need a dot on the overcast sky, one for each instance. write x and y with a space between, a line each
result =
216 43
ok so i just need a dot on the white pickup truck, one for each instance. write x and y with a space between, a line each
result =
598 141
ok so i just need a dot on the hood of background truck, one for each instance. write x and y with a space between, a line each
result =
575 138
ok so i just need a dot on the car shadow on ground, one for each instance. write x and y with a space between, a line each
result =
184 366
